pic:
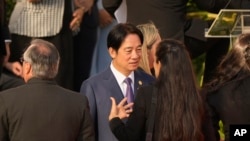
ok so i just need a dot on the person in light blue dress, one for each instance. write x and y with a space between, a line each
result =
101 58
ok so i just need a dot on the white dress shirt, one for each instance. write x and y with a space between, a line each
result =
120 79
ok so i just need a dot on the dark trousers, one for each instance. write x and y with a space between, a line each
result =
84 45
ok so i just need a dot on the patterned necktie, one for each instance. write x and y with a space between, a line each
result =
129 91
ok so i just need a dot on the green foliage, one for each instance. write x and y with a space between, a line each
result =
198 63
192 7
198 66
221 131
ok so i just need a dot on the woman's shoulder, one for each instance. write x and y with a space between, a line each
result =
146 89
144 94
240 83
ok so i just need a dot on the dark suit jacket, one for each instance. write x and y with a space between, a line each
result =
136 126
168 15
43 111
135 129
231 104
98 90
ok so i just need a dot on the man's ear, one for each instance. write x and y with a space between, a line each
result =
112 52
27 68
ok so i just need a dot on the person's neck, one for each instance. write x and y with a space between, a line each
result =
121 70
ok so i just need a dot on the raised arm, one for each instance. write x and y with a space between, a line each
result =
111 6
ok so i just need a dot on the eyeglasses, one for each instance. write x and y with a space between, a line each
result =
22 60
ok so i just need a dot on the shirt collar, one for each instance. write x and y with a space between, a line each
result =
119 76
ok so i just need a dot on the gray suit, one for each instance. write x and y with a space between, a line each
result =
99 89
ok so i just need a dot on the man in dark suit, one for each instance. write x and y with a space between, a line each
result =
41 110
124 45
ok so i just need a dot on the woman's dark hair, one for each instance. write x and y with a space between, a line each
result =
179 108
238 59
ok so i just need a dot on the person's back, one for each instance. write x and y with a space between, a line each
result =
230 104
228 93
41 110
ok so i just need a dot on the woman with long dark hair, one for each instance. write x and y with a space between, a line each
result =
179 113
228 94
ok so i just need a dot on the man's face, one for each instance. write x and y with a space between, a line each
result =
128 56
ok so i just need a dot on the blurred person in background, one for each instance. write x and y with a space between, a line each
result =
7 81
151 39
51 20
84 45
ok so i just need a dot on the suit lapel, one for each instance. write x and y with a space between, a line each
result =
111 83
139 82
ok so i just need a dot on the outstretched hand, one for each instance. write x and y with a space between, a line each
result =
122 110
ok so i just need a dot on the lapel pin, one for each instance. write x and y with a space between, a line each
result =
140 82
